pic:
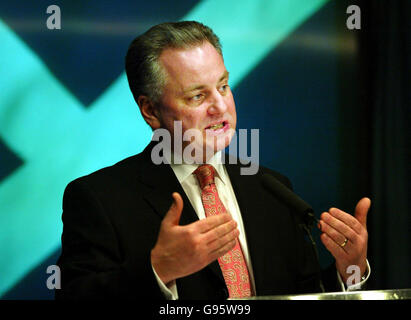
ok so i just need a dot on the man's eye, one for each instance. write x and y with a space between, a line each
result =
197 97
223 88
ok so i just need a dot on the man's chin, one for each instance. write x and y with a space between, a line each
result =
219 143
203 147
200 154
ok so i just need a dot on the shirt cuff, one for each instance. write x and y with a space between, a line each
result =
356 286
170 293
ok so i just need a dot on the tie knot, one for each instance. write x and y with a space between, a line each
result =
205 175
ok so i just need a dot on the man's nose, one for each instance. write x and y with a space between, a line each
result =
218 104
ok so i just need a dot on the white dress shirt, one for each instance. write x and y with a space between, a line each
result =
190 185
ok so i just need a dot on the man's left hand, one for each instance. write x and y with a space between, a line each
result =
346 237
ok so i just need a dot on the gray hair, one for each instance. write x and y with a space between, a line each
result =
144 72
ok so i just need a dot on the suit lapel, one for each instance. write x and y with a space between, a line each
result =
162 182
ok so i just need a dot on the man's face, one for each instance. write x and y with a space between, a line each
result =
197 93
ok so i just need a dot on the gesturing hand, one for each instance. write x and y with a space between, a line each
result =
346 237
183 250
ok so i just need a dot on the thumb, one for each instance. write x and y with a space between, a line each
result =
361 211
174 213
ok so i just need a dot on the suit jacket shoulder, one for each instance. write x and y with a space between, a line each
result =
109 230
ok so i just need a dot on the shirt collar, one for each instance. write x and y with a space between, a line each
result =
183 171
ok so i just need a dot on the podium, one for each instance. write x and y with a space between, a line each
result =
395 294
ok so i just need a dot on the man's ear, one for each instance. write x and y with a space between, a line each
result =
149 112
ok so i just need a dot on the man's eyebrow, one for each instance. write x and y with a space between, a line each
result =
200 87
194 88
224 76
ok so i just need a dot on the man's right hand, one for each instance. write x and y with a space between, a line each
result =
183 250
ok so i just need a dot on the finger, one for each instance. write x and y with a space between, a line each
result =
223 250
222 241
336 250
336 228
209 223
361 211
219 231
347 219
174 213
333 234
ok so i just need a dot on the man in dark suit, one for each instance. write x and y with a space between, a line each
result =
228 237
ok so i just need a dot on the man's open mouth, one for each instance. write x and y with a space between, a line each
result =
217 126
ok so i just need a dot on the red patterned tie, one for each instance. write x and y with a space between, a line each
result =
232 264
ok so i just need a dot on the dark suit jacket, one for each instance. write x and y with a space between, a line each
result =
111 222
